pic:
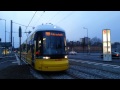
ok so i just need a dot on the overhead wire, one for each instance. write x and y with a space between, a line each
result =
30 20
40 17
25 25
21 24
53 16
65 17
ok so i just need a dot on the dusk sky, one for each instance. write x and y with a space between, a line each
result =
71 21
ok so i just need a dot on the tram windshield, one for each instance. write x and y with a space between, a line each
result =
54 43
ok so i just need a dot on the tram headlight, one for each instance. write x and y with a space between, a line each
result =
66 56
46 57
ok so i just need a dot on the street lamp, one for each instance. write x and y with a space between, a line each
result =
5 34
87 39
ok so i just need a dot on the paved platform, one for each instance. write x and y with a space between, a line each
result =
10 69
16 72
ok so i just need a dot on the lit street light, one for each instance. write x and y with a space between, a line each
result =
5 34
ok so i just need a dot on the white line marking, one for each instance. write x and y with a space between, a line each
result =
105 64
117 67
6 61
14 62
24 61
22 58
18 60
95 63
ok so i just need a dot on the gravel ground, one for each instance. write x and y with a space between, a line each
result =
16 72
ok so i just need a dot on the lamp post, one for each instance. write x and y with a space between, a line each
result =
87 39
5 34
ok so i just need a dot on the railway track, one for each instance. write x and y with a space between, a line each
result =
95 71
77 71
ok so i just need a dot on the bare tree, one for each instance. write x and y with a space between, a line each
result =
96 41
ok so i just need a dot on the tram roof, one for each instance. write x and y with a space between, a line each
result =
45 27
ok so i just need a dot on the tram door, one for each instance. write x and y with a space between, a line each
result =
39 44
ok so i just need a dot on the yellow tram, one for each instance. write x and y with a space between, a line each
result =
45 48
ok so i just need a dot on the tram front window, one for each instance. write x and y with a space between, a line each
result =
54 43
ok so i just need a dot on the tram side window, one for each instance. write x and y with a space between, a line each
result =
28 47
39 45
24 46
32 48
32 51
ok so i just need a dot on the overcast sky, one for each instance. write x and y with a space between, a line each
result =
71 21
